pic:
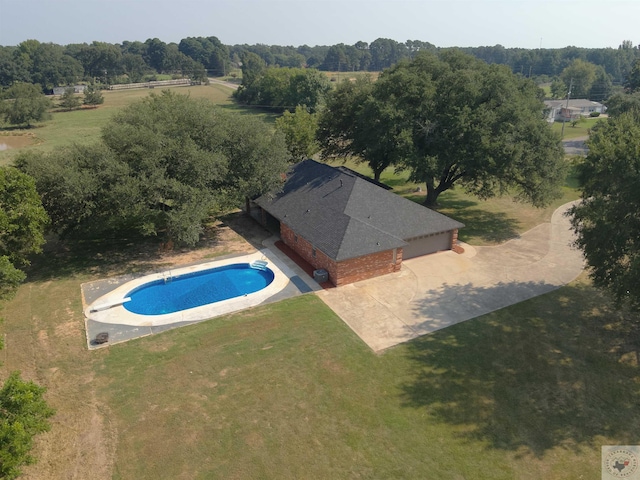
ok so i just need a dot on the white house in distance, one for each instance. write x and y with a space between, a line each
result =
559 112
76 89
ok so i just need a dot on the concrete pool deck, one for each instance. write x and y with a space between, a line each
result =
122 325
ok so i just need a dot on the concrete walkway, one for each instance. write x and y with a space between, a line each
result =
439 290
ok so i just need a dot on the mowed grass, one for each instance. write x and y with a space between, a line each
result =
581 129
288 391
83 126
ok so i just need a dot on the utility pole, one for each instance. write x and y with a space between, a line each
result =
567 108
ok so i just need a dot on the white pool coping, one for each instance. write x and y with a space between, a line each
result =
110 307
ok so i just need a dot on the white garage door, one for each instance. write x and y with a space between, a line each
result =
426 245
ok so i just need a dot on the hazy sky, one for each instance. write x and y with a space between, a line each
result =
445 23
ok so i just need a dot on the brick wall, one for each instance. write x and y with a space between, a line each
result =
368 266
347 271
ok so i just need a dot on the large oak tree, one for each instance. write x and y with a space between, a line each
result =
22 224
164 166
607 220
24 103
451 120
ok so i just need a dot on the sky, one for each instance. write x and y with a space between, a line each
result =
444 23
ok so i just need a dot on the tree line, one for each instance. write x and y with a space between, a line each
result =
50 65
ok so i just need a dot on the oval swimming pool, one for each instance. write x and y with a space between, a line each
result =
174 294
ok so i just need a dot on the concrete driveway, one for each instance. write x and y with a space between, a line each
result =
442 289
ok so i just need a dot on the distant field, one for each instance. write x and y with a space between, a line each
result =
83 126
340 76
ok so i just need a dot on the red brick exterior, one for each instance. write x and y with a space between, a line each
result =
347 271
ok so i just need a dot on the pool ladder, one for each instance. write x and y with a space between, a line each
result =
259 264
167 277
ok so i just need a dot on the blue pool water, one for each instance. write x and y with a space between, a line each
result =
196 289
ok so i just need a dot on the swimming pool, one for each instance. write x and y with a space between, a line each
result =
174 294
114 307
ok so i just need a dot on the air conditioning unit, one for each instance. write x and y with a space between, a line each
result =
321 275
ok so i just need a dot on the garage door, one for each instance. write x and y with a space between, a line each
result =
426 245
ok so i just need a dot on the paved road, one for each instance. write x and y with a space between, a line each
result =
575 146
226 84
439 290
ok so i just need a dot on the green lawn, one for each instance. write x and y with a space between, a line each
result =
580 130
83 126
288 391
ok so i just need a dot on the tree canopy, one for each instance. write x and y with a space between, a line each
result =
164 165
22 224
50 65
93 95
299 129
284 88
23 414
69 100
451 120
607 220
24 103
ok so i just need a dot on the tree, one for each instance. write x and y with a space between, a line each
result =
24 103
69 101
601 87
580 76
101 60
285 88
360 120
22 224
51 67
210 52
155 54
575 121
252 68
451 120
386 52
23 414
632 83
623 102
164 166
93 95
299 130
134 67
558 88
607 220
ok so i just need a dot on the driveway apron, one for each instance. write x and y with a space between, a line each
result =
435 291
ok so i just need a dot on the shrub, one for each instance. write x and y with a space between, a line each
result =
594 114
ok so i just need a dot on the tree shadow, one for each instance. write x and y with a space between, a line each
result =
246 227
107 256
490 227
268 114
557 370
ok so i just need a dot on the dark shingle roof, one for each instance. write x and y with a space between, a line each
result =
346 216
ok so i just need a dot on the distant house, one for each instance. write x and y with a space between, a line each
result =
341 222
76 89
558 111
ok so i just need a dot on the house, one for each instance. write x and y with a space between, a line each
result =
76 89
349 226
559 111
